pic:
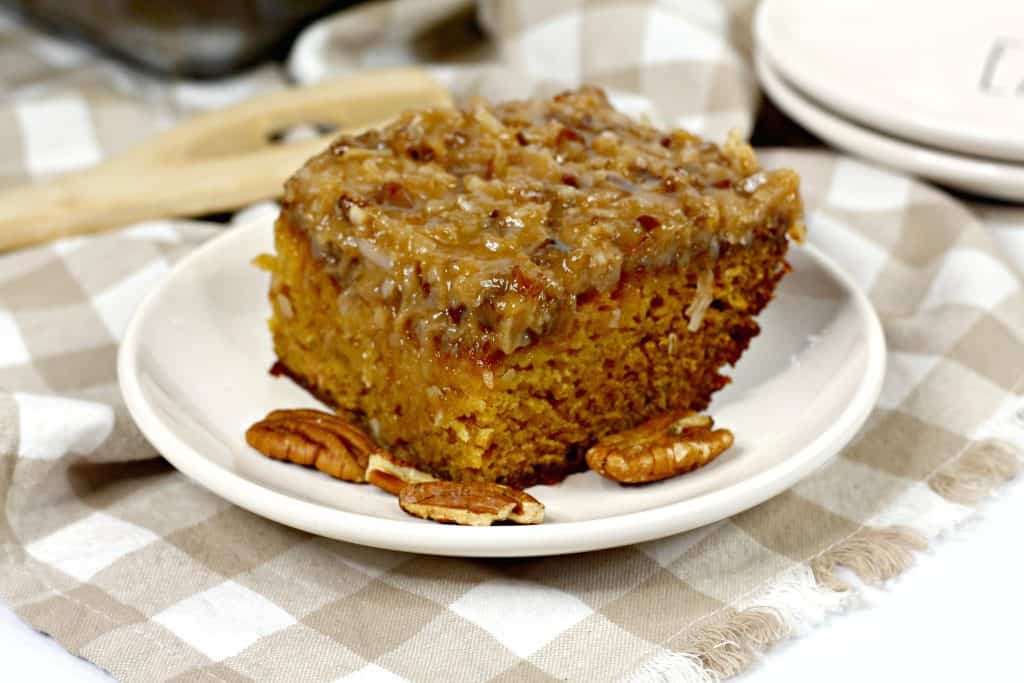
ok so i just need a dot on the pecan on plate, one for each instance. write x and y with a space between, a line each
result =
665 446
313 437
472 503
387 472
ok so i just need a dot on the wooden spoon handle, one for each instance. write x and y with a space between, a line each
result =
213 163
92 201
352 101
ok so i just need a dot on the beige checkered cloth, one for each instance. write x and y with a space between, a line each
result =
130 565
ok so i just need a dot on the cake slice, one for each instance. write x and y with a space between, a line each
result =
490 290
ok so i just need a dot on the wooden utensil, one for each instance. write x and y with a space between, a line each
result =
214 162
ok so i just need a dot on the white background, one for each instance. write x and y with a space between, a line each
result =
955 616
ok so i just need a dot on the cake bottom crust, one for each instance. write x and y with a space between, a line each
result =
549 473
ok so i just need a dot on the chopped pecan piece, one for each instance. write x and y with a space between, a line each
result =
663 447
474 503
528 510
313 437
387 472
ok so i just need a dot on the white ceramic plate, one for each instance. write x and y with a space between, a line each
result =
1002 180
946 74
193 370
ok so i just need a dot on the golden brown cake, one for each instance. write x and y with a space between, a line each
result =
489 290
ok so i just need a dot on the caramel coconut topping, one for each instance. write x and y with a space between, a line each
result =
477 230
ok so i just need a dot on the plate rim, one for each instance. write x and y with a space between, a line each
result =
921 129
500 541
985 177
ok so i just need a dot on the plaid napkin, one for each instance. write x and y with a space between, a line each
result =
130 565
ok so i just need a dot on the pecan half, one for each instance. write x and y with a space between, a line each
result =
387 472
473 503
664 446
313 437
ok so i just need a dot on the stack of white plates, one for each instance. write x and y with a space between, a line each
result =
931 87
